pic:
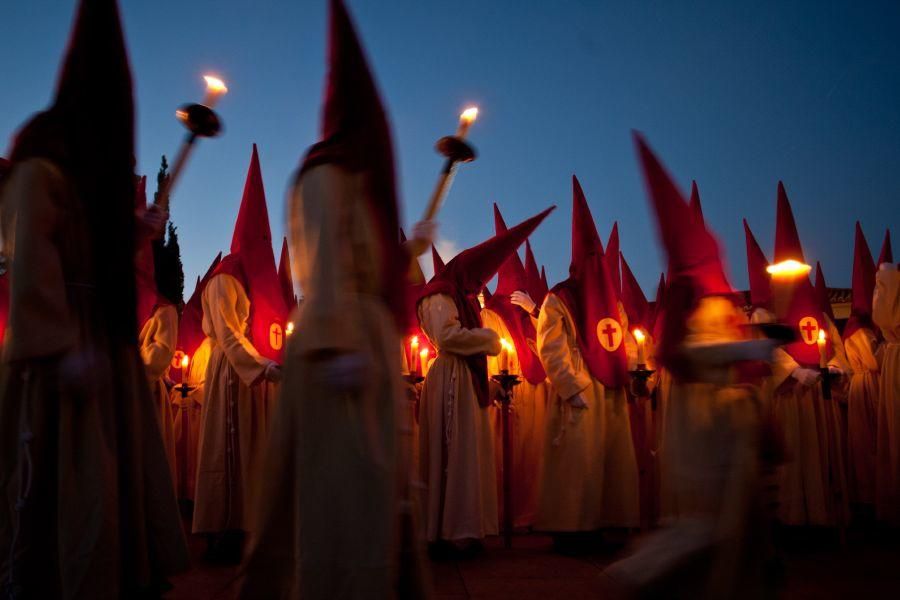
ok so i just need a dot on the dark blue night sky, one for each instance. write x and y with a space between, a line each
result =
735 96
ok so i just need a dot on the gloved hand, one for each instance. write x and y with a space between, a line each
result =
577 401
523 300
806 377
344 373
273 373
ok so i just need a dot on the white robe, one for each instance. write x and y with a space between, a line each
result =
886 314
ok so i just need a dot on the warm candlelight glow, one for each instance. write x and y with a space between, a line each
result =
185 361
788 268
423 361
822 337
823 358
215 89
469 115
639 336
506 348
481 299
289 328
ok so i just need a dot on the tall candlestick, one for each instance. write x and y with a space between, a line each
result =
823 358
423 361
414 354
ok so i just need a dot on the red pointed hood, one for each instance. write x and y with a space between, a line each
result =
356 136
760 281
635 302
533 282
148 297
659 307
804 311
863 286
89 132
590 296
695 202
694 258
510 278
612 252
190 327
545 285
437 263
466 275
285 277
887 253
252 262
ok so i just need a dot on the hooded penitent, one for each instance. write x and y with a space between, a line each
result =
148 297
863 287
437 263
466 275
252 263
633 299
695 262
356 136
533 284
91 124
510 278
190 327
821 288
612 251
804 312
887 253
695 202
590 296
760 281
285 277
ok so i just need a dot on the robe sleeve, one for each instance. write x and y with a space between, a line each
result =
555 340
783 365
40 323
440 321
222 294
158 345
327 321
839 356
886 303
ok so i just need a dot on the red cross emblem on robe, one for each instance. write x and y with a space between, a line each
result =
809 330
609 333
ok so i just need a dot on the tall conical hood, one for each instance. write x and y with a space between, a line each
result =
357 137
437 263
804 312
695 202
590 296
863 286
190 327
144 267
633 299
534 284
821 287
585 239
694 259
466 275
760 281
285 277
545 284
89 132
252 262
510 278
887 253
612 254
659 305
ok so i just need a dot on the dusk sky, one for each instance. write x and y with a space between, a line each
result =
734 96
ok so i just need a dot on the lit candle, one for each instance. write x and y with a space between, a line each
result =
215 89
823 359
785 276
640 338
466 119
504 355
289 328
481 299
414 354
423 360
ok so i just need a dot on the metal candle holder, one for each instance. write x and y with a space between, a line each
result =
184 389
639 378
507 382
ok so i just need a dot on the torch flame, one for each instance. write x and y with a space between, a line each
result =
185 361
469 115
788 268
639 335
215 85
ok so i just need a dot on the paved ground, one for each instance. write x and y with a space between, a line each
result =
816 566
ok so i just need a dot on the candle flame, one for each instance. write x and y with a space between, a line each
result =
821 336
469 115
507 345
788 268
215 85
424 353
415 340
185 361
289 328
639 335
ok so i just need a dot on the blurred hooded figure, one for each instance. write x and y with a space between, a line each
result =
328 518
90 511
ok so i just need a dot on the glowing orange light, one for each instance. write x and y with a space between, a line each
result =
289 328
639 336
788 268
469 115
822 337
214 84
185 361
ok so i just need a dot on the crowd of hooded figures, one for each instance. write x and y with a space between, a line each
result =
329 445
